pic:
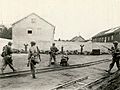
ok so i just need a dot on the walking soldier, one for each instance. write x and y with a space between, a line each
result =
116 56
7 57
33 57
53 50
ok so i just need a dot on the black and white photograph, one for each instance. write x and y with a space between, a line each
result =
59 44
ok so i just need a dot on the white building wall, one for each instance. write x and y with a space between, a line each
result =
41 32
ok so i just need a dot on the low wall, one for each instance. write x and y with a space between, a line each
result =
88 46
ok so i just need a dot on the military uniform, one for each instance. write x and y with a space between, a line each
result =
115 56
64 60
7 58
53 51
33 59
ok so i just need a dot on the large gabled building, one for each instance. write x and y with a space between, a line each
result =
78 39
32 28
108 35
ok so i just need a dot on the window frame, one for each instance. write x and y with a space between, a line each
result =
29 31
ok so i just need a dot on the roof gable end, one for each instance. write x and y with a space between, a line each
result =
30 15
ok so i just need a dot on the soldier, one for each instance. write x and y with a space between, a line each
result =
53 51
33 56
81 49
62 50
64 60
116 55
7 57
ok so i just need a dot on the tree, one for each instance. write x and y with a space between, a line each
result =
9 33
59 39
6 33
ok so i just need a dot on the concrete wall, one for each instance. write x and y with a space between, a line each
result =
41 31
88 46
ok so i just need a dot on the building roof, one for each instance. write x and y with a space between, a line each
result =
2 25
109 31
35 15
78 39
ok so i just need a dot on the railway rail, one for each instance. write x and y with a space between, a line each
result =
26 72
103 82
69 83
98 82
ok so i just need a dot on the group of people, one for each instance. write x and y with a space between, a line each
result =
33 57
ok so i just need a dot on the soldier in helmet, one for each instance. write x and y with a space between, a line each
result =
7 57
53 50
116 56
33 56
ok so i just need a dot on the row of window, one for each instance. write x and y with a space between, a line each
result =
103 39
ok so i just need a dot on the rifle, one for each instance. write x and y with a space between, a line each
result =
107 48
39 53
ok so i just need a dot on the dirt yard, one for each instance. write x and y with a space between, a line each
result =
49 80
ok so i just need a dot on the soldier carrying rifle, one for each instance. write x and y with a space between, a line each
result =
53 51
115 56
7 57
33 56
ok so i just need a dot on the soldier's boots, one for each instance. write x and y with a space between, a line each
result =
14 70
109 71
118 69
27 64
49 65
34 77
2 70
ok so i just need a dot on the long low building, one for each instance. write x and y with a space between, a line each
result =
108 35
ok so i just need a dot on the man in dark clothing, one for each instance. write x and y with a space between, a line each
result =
53 50
116 56
7 57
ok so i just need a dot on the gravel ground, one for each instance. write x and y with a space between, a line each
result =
49 80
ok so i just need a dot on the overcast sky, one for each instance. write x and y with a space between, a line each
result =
71 17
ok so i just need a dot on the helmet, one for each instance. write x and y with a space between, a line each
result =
53 44
9 43
115 42
33 43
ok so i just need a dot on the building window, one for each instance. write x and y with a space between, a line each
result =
108 38
33 20
29 31
112 37
105 39
99 39
1 29
102 39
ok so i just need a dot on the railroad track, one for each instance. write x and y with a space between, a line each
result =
26 72
63 86
103 82
96 82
